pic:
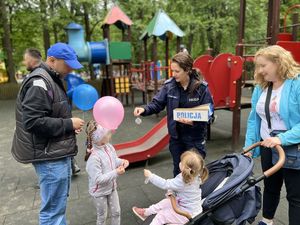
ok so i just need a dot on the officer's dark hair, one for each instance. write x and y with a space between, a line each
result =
34 53
185 61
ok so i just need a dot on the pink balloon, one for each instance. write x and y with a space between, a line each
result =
108 112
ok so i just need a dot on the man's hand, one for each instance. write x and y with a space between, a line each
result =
78 131
77 123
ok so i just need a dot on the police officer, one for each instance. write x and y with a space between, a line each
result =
184 90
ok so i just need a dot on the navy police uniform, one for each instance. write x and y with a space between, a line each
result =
182 136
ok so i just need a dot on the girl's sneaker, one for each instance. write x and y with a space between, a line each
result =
139 212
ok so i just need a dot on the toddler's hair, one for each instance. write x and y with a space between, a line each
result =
90 128
193 165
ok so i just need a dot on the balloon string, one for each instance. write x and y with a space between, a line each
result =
82 115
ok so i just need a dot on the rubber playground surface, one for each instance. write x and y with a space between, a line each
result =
19 195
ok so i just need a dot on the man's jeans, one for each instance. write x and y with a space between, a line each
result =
54 179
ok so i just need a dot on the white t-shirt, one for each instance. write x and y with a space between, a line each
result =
276 121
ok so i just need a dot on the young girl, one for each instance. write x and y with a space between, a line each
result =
103 166
186 187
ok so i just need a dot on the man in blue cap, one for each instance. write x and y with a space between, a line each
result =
45 130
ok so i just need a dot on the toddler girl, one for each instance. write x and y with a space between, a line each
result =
103 166
186 188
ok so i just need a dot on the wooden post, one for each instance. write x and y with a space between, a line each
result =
129 34
295 20
178 40
236 117
145 50
167 56
154 59
275 21
108 68
269 23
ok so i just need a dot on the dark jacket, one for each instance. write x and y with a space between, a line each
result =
44 130
169 96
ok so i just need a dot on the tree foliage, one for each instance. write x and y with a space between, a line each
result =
206 23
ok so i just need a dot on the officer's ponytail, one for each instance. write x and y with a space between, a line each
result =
197 77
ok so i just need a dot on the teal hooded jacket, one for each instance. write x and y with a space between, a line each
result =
289 110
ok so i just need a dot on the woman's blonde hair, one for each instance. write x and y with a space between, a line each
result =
288 68
90 128
192 165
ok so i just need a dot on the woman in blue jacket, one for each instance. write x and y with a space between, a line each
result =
276 70
184 90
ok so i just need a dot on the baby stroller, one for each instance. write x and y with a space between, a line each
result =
230 195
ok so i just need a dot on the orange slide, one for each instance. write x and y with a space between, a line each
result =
146 146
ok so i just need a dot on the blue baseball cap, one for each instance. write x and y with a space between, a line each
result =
65 52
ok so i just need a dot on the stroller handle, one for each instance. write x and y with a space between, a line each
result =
279 163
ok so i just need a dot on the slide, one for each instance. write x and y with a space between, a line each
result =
147 146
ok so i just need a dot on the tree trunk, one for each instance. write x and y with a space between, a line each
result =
7 45
210 39
190 43
55 32
218 41
88 34
46 36
86 21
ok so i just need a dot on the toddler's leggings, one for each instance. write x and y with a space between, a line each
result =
111 201
165 213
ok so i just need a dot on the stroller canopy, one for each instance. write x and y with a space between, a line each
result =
230 203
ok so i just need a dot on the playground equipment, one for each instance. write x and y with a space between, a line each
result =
120 52
143 78
91 52
146 146
221 73
164 27
105 52
289 40
3 73
271 39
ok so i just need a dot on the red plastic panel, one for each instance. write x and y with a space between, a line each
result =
236 65
219 73
203 63
293 47
284 37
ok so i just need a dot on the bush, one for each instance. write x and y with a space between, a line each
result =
9 91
